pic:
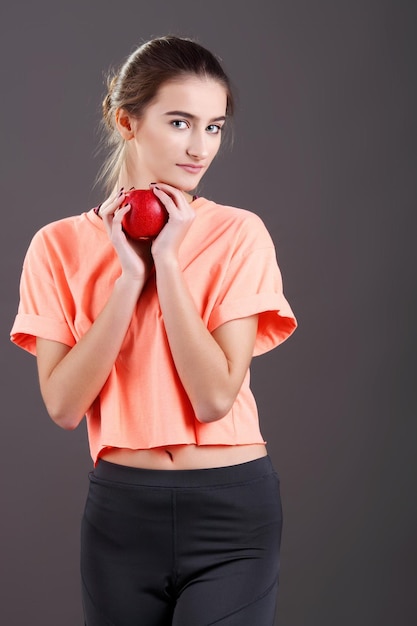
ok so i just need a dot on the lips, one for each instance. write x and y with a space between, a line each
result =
190 168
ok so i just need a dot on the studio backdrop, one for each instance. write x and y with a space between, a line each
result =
324 150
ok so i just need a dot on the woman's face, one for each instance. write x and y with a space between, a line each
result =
179 134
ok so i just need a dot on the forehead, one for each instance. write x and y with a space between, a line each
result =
199 96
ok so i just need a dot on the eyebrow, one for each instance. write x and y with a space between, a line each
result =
190 116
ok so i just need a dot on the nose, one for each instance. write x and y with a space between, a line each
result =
197 148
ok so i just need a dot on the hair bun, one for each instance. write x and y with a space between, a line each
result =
107 107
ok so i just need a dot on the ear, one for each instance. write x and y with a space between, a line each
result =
124 123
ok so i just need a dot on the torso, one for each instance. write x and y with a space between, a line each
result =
185 457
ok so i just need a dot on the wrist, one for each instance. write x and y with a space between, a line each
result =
128 285
167 260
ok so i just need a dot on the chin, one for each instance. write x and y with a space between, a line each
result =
181 184
190 187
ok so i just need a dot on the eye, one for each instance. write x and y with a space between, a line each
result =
180 124
214 129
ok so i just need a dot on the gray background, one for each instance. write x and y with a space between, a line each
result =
325 152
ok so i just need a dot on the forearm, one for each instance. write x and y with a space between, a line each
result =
211 366
70 385
200 361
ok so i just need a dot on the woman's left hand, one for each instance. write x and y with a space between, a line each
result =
181 216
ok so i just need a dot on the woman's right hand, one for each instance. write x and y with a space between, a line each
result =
134 256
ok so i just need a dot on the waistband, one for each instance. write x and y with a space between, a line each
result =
233 474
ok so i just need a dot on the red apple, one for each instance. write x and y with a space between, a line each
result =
147 215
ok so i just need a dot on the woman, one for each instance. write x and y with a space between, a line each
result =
152 341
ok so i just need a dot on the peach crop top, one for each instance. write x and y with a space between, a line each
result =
228 260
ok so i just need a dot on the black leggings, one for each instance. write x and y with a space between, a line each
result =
181 547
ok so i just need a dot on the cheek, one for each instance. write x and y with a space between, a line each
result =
164 147
150 140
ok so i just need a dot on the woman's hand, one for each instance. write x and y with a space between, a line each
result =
181 216
134 256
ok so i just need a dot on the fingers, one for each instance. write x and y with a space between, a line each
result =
174 201
120 212
181 215
112 212
168 192
112 203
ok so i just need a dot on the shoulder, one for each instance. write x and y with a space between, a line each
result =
234 224
227 213
84 222
62 233
65 243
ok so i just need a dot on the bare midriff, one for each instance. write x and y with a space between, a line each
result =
184 457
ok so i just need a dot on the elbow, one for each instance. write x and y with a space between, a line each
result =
213 410
63 418
60 411
66 424
65 421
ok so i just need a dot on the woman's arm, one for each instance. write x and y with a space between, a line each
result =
71 378
211 366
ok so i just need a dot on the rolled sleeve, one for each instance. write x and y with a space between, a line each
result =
43 311
253 285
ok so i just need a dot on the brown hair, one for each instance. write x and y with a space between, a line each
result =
136 84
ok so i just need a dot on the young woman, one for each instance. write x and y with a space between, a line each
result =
152 341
